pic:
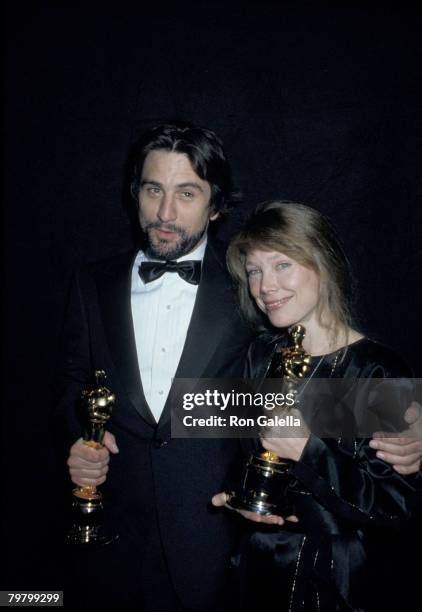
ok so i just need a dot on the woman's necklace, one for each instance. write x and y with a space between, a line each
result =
316 368
333 367
301 391
292 362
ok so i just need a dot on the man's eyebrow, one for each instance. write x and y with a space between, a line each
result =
189 184
148 182
192 185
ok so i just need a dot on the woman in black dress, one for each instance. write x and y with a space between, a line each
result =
291 269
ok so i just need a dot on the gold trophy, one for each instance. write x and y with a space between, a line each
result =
87 528
265 476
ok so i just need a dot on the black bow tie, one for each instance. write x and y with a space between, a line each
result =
190 271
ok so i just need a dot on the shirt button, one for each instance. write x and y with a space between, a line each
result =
159 443
160 392
168 306
163 350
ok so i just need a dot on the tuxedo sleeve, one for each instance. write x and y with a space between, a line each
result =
74 364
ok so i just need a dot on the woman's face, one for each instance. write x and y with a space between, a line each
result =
287 292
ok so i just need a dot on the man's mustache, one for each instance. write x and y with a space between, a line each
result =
170 227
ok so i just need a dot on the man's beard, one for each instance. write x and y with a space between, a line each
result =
162 249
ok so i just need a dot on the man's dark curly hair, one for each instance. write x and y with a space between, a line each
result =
204 150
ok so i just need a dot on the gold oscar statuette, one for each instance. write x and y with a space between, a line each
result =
87 528
265 475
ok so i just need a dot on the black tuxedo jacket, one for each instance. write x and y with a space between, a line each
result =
158 486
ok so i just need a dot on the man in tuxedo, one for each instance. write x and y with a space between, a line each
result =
144 322
145 317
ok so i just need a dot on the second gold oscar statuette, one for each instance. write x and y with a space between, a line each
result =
265 476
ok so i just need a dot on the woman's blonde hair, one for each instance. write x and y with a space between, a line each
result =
305 235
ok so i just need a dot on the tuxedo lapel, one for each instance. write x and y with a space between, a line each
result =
209 318
208 324
114 291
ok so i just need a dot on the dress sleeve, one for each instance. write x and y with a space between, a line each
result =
345 475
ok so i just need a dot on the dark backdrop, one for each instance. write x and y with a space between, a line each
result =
314 103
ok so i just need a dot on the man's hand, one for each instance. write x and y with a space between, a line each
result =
404 453
89 466
221 499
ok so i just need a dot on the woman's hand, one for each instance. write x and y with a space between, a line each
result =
285 448
274 439
221 499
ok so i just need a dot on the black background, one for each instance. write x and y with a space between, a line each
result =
315 102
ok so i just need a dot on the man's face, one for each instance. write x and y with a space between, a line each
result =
173 204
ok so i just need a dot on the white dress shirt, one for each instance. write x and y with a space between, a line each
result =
161 312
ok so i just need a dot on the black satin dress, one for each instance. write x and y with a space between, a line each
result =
347 500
